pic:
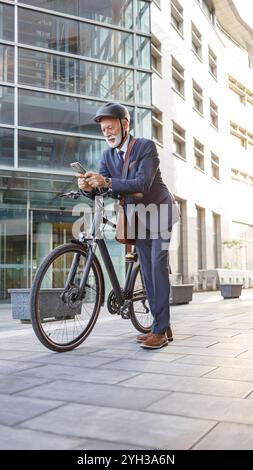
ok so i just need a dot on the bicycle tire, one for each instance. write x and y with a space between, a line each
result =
61 314
141 319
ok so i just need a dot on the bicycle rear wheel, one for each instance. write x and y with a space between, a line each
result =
60 320
140 312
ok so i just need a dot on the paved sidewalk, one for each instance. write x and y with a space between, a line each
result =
109 393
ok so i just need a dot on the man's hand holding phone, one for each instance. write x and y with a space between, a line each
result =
82 183
88 180
81 178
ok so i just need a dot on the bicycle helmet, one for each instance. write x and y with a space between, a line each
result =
113 110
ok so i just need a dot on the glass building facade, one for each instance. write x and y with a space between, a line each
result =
59 61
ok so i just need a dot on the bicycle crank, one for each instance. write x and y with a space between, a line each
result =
125 311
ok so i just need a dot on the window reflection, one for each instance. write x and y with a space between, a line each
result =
48 31
69 7
144 88
110 83
6 63
6 22
47 111
63 113
48 71
143 52
144 119
6 146
50 151
51 32
6 105
118 12
68 75
106 44
143 20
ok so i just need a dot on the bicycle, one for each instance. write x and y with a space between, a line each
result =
68 290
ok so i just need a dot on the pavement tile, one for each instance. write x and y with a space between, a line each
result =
205 386
26 439
237 410
216 361
246 355
84 374
159 367
211 351
73 361
232 373
114 396
139 353
8 367
122 426
14 383
193 342
227 436
95 444
16 409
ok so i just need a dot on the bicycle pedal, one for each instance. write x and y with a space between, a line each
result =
125 315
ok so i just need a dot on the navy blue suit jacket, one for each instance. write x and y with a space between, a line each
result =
141 175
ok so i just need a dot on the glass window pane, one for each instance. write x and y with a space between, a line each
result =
109 83
143 12
106 44
144 88
47 111
119 12
143 52
6 63
50 151
144 123
6 105
48 71
6 22
91 151
48 31
6 146
64 6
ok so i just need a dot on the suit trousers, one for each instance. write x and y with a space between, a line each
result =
154 260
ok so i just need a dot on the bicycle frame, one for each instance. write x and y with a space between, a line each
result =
91 243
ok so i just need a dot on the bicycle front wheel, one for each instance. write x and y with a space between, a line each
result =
140 312
60 319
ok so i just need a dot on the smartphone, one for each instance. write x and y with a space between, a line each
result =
78 167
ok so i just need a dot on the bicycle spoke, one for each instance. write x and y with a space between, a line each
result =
60 318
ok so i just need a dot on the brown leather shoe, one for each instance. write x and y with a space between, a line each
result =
169 334
155 341
142 338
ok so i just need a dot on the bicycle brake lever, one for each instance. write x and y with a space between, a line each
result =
71 195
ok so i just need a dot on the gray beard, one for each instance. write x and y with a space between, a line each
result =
114 145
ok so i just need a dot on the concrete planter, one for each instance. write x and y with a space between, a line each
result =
20 302
231 291
181 293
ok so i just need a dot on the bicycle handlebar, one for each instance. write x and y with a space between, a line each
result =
77 194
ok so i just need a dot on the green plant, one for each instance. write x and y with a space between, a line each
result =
233 246
233 243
